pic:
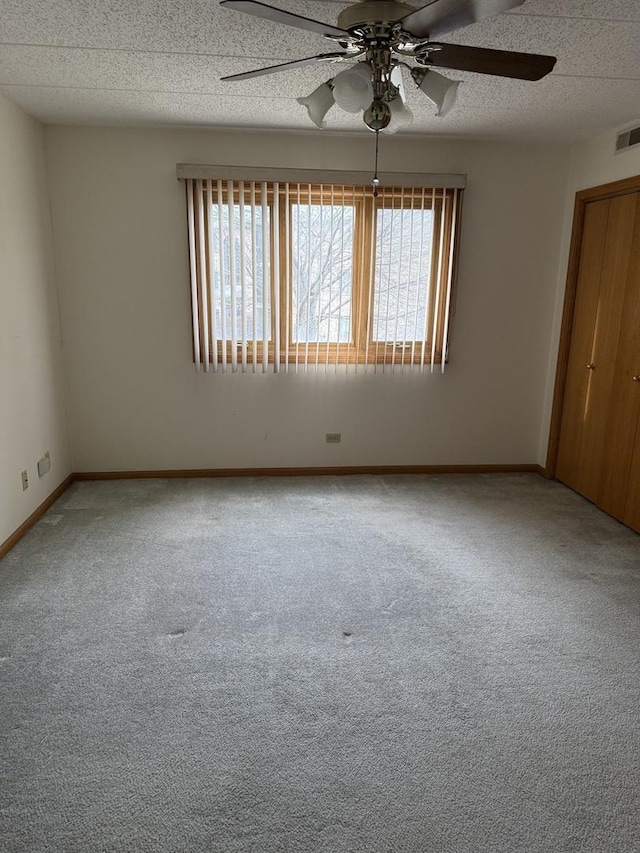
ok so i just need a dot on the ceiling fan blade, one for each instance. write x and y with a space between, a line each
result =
503 63
443 16
262 10
283 66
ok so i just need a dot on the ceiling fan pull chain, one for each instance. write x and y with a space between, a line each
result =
376 179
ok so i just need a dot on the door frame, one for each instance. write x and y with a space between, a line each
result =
583 197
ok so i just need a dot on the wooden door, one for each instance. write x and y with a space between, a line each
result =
632 505
624 404
627 406
603 270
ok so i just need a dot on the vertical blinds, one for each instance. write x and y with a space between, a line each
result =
298 276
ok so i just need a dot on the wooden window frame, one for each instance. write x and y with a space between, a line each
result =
361 349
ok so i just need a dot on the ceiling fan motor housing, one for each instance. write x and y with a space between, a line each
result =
373 12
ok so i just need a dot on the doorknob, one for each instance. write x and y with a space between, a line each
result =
591 366
636 378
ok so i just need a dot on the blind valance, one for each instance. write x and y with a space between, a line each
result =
194 171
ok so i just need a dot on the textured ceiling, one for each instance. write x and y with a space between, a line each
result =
159 62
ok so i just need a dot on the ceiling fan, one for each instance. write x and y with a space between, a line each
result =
381 35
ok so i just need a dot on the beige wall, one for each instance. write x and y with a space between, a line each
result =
135 401
593 163
32 413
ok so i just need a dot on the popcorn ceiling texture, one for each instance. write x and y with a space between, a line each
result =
159 62
321 665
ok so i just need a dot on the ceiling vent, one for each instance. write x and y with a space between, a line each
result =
628 139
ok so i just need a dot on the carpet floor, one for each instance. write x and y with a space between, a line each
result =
400 664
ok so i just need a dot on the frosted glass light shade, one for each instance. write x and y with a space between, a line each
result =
318 104
401 116
437 88
352 88
398 82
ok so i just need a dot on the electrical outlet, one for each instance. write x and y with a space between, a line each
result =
44 465
25 480
333 437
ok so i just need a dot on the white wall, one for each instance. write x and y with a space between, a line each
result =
32 412
135 401
592 164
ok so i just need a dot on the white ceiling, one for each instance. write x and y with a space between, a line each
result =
158 62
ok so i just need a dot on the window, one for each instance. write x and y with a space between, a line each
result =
291 274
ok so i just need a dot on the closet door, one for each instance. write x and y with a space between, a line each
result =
602 278
632 506
619 489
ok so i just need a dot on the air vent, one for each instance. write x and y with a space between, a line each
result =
628 139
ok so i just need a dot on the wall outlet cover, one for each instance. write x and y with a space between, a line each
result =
44 465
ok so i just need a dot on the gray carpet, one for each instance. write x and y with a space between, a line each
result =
321 665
